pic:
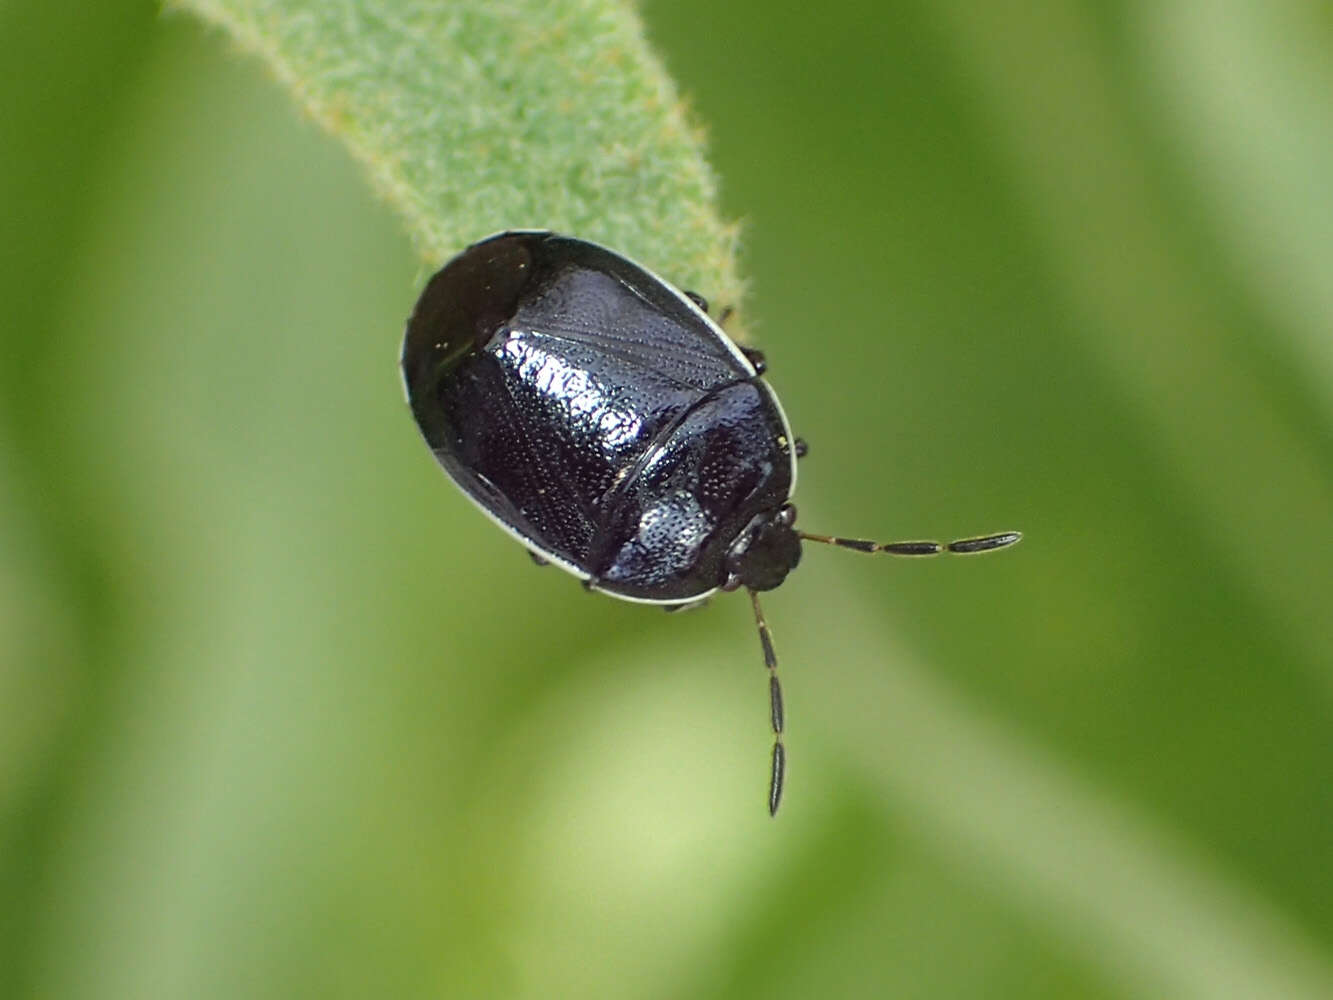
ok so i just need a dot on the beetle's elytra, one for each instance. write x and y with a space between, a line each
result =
599 416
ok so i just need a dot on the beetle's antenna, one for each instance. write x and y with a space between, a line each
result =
779 769
963 546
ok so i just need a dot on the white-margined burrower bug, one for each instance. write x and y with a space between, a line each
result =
603 419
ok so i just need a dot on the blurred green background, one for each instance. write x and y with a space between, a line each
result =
281 715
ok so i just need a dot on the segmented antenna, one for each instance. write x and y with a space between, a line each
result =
779 766
963 546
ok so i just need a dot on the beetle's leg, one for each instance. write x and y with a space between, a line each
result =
702 303
688 606
802 449
756 358
538 559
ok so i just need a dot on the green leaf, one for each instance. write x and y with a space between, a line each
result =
472 118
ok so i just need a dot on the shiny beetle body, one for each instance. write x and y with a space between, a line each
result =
603 419
599 416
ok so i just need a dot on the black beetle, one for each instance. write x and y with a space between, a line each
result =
602 418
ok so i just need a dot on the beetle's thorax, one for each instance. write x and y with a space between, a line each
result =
764 552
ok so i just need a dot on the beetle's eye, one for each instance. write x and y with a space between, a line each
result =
787 515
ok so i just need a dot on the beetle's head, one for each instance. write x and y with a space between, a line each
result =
765 551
